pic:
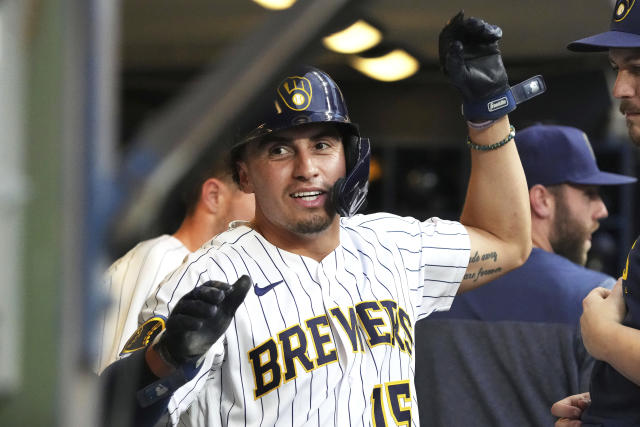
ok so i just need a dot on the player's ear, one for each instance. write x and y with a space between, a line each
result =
211 194
243 176
542 201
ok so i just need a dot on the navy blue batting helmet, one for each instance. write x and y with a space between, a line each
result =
309 95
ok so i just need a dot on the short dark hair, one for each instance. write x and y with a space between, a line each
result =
235 156
213 166
183 198
556 190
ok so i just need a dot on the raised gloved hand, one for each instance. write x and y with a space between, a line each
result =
470 57
199 319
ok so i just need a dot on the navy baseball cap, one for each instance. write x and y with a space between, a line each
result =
561 154
624 30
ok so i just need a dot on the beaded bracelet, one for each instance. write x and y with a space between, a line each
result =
512 134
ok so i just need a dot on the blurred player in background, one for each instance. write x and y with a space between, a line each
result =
318 326
611 319
211 200
507 351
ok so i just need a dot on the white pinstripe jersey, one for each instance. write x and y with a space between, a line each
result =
319 344
129 281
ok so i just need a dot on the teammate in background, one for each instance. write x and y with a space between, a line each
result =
211 200
523 325
324 334
611 319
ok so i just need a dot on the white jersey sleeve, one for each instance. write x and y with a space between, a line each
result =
128 282
434 254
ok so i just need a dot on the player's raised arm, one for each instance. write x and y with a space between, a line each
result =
496 210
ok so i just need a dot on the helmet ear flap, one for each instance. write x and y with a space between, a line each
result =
348 194
351 145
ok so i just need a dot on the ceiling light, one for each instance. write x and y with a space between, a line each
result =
275 4
358 37
395 65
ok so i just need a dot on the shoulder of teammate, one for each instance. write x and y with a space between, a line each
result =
575 279
141 251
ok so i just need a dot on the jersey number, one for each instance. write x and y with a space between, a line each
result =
398 403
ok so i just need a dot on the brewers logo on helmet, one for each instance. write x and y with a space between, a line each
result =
296 93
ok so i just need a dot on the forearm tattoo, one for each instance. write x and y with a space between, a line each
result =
474 274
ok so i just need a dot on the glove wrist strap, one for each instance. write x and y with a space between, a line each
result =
490 108
502 104
164 387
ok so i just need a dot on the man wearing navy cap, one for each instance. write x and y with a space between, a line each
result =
505 352
623 43
611 320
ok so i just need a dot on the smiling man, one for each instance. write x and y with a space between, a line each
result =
302 208
323 332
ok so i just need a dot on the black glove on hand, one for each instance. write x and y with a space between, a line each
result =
469 55
199 319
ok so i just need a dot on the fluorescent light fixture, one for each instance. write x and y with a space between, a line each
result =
275 4
395 65
358 37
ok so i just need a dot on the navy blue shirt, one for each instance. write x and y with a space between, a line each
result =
615 401
508 350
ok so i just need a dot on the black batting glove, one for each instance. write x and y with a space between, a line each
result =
199 319
470 57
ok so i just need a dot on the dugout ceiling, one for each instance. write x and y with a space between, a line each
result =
165 43
169 34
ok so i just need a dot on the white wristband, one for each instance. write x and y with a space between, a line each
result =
481 125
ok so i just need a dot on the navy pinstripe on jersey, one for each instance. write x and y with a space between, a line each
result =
332 340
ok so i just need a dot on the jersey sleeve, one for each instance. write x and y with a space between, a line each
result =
443 258
433 254
199 268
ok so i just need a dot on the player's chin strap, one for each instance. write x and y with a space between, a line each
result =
349 193
499 105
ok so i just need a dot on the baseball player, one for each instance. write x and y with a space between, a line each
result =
323 303
212 200
610 323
